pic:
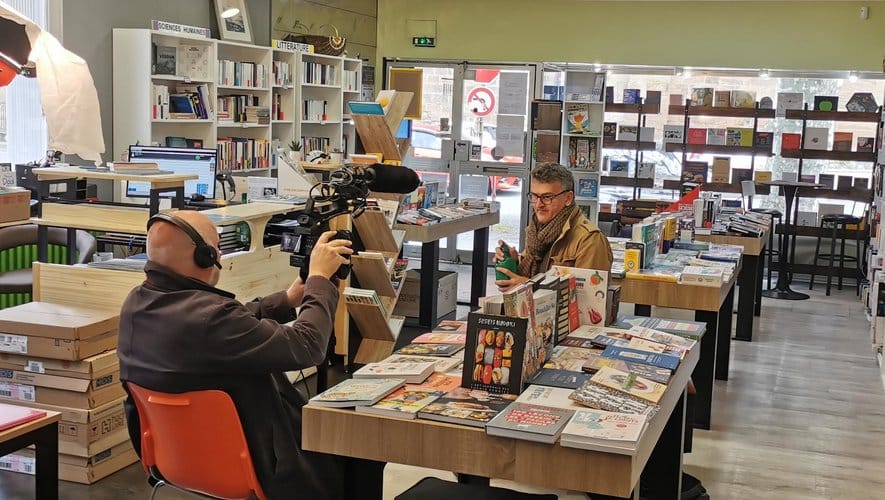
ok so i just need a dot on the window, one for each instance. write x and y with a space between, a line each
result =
23 134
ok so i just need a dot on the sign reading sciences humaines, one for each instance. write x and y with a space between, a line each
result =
179 29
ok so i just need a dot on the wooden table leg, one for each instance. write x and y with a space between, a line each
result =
662 476
723 341
702 376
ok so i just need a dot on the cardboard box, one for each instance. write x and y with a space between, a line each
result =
84 470
91 368
446 284
42 319
103 422
15 204
44 347
62 391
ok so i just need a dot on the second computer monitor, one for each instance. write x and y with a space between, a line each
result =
180 161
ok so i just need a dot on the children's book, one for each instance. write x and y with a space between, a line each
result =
629 383
577 118
405 402
466 407
357 392
601 430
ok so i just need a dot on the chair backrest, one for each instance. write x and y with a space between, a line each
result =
196 442
26 234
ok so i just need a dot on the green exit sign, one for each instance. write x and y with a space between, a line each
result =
424 41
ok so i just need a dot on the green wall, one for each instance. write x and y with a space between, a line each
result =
741 34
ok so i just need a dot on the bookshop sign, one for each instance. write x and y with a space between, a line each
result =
179 29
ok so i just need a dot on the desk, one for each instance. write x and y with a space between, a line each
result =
256 215
43 434
469 450
429 236
15 223
750 278
711 306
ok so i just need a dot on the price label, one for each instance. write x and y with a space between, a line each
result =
13 343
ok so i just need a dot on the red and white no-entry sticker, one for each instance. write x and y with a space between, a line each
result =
481 101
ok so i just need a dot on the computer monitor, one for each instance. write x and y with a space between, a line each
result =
179 161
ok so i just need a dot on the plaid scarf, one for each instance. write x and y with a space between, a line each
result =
539 239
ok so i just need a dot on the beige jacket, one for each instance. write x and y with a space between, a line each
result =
582 245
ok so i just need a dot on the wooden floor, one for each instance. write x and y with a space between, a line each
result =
802 416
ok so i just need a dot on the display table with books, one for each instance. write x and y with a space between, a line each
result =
429 235
712 306
610 468
750 278
23 427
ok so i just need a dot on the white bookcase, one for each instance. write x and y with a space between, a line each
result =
583 114
133 80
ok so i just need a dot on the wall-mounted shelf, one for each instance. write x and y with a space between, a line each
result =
678 109
818 154
836 116
607 180
631 145
647 109
713 149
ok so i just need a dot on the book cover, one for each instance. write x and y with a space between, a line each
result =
716 136
404 402
697 136
590 427
583 343
566 352
546 115
844 182
702 96
555 397
436 337
430 349
587 188
673 134
653 97
12 415
565 364
605 398
546 318
826 103
357 392
546 147
441 364
862 102
662 336
629 383
694 171
683 328
609 130
646 358
577 118
790 141
764 139
816 138
564 379
609 94
619 168
592 286
627 133
466 407
413 373
722 99
861 183
533 423
631 96
828 181
865 144
677 100
739 136
842 141
495 352
641 344
743 99
596 362
646 170
165 60
788 100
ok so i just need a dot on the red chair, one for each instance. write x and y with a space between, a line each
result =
194 442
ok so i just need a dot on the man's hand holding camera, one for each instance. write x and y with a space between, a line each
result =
325 259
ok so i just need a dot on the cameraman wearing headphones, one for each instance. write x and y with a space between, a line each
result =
179 333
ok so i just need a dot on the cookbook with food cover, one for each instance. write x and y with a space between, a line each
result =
494 352
591 288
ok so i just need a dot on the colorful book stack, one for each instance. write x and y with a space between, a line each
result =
64 358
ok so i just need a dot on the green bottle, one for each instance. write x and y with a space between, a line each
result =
507 263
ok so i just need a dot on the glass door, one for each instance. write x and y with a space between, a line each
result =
431 135
494 132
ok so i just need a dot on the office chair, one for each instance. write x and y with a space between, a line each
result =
194 442
22 280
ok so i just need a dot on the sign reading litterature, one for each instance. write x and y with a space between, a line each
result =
179 29
287 45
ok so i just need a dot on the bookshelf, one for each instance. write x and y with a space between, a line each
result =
546 126
641 109
134 80
581 135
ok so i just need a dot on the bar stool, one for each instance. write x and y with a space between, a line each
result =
837 222
775 214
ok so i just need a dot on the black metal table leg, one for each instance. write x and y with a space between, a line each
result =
72 245
747 299
703 373
364 479
760 274
478 274
662 476
723 341
427 313
46 454
642 310
42 243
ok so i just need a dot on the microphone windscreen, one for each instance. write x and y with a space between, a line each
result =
393 179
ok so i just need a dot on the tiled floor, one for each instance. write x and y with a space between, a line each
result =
802 415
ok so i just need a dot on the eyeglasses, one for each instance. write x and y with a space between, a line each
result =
546 199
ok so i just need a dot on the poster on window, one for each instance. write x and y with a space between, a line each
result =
510 136
513 93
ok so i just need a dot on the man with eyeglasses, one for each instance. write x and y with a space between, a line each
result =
558 234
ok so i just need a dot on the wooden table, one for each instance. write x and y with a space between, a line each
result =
15 223
429 236
712 306
43 434
469 450
750 278
256 215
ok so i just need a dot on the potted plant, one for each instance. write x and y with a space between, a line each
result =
295 154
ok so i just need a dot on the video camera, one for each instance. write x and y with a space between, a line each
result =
344 193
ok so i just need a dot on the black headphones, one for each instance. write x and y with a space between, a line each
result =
205 255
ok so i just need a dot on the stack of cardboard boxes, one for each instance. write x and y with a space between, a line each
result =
64 358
